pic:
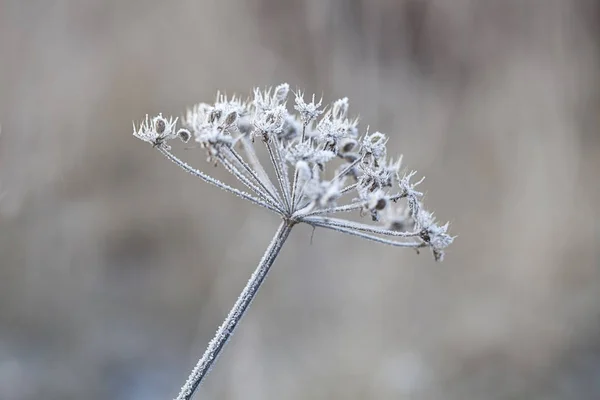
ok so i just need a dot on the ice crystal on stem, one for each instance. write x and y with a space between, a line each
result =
323 168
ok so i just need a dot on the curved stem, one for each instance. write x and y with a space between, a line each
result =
368 236
342 223
240 307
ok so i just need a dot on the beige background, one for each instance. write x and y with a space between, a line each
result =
116 268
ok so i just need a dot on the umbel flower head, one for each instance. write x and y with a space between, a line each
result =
323 167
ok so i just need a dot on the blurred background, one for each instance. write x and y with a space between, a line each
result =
116 267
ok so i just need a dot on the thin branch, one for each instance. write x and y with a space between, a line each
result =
295 197
398 196
332 210
347 169
298 198
254 161
240 307
284 168
342 223
303 131
278 173
368 236
248 183
254 174
215 182
348 188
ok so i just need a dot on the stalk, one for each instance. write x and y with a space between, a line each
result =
217 344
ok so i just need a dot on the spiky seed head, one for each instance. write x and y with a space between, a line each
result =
305 143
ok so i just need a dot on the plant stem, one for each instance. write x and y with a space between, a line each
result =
240 307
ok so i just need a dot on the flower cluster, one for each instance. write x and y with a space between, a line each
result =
323 166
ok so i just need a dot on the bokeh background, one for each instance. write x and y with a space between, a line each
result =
116 267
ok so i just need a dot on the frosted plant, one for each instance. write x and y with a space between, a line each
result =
321 167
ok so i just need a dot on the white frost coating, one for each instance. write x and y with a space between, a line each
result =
226 329
335 170
367 236
216 182
342 223
308 142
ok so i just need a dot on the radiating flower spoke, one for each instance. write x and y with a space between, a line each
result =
342 223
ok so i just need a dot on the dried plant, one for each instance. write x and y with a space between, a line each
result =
309 185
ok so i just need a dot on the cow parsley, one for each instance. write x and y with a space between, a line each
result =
322 167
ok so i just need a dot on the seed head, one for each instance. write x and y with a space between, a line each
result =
308 111
322 166
156 130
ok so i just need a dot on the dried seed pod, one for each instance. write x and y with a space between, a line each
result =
231 118
347 145
160 124
214 115
281 92
381 204
184 135
377 201
340 108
